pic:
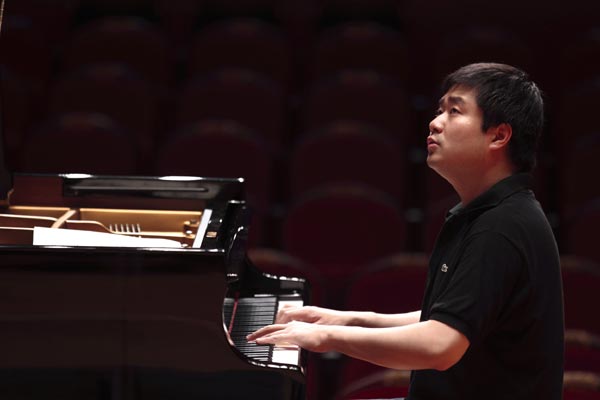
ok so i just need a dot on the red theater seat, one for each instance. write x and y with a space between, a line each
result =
363 45
581 285
114 90
244 43
246 97
80 142
337 229
131 41
348 151
364 96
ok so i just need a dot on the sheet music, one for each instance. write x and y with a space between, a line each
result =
72 237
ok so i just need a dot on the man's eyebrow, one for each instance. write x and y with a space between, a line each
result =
452 100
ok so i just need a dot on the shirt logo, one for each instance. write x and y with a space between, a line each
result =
444 268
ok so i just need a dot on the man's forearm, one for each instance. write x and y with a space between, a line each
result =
375 320
426 345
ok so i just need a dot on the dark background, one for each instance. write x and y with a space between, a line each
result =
315 99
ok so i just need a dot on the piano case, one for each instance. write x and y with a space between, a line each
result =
132 288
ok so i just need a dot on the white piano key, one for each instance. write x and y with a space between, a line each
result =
287 353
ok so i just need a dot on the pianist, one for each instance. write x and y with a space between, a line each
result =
491 324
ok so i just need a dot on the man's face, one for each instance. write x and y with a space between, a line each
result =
456 144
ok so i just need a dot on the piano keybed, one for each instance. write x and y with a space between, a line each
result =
248 314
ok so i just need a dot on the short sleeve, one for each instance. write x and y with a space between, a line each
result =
480 288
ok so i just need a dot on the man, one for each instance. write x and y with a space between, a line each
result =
491 323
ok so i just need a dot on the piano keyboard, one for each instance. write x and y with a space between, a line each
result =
247 314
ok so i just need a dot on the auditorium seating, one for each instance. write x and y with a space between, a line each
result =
219 9
80 143
242 43
277 262
582 351
96 9
577 192
360 45
348 151
114 90
382 384
360 95
178 19
580 231
481 43
339 228
579 58
132 41
581 385
390 285
249 98
53 18
335 12
27 52
581 282
576 100
16 112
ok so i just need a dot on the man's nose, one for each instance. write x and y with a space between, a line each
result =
435 126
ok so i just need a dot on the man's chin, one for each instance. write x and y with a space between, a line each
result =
431 162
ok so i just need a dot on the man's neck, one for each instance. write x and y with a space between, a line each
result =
474 185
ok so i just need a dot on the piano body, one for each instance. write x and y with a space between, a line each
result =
139 321
135 288
146 320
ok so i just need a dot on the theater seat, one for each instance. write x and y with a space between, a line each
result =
582 351
363 45
581 285
581 385
114 90
349 151
337 229
246 43
381 384
579 233
277 262
360 95
249 98
80 142
132 41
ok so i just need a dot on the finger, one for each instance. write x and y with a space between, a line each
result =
277 339
264 331
285 314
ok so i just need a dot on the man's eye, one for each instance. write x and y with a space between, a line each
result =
454 110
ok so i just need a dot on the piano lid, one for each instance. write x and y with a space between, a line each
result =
5 177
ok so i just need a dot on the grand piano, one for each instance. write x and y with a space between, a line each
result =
134 287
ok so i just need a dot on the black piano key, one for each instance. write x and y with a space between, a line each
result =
251 314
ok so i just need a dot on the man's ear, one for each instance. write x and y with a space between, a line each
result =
500 135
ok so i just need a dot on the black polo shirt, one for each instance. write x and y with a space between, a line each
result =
494 275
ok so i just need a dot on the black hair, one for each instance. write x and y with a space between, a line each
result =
506 94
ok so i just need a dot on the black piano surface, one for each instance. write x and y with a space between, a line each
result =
87 322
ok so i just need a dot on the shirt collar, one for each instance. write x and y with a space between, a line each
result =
494 195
